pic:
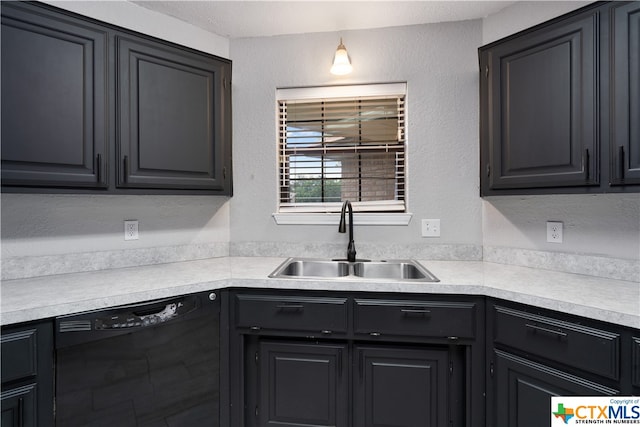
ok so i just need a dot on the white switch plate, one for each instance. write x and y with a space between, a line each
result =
131 229
430 228
554 232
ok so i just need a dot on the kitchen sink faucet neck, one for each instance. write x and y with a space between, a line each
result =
351 249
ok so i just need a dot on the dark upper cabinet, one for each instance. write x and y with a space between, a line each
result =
560 105
539 110
53 100
89 107
625 93
170 128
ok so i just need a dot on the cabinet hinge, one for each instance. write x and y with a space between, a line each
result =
486 71
450 368
224 173
488 169
491 369
256 412
256 357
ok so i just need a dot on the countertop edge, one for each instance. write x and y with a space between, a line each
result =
51 296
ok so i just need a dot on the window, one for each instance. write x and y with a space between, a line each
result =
342 143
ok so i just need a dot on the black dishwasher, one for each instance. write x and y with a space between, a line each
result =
155 364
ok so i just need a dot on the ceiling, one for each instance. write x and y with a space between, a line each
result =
240 18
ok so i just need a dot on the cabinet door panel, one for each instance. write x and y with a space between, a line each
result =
524 390
303 384
53 101
540 95
19 407
170 130
635 362
400 387
625 102
19 355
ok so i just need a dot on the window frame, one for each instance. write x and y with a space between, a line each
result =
311 214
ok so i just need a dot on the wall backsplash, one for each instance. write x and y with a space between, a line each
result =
39 224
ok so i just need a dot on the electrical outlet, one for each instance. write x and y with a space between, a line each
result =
131 229
554 232
430 228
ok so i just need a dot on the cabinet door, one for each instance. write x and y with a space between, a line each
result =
53 100
524 390
19 407
303 384
635 363
27 375
400 387
173 133
625 95
540 117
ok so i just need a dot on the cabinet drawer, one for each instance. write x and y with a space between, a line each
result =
19 355
415 318
582 347
293 313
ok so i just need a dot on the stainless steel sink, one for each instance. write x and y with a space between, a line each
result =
388 270
298 267
394 270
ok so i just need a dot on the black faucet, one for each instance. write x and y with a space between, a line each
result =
351 249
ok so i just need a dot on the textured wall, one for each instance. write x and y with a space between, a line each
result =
524 14
439 64
134 17
34 225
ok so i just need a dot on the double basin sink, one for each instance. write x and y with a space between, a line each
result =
389 270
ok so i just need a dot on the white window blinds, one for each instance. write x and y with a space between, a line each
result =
340 148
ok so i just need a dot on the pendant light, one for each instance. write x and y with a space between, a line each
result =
341 63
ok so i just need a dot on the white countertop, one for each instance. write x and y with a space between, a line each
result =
614 301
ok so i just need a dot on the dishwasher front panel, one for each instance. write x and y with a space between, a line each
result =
147 365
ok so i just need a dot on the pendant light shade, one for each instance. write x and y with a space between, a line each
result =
341 63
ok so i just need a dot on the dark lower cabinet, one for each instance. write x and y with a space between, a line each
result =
524 390
19 407
310 383
357 360
534 354
26 399
400 387
303 384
